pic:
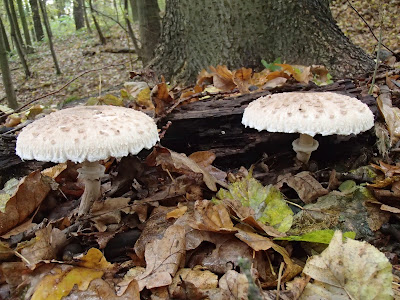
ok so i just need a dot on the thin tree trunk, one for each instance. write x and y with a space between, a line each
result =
5 38
116 9
78 14
14 19
18 46
6 74
99 32
130 30
149 27
37 24
25 27
86 17
49 35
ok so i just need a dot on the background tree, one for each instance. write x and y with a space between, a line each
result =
6 75
37 23
60 5
14 20
49 35
86 17
97 25
78 14
25 27
5 38
149 27
242 33
17 42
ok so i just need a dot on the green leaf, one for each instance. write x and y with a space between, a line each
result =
272 66
317 236
267 202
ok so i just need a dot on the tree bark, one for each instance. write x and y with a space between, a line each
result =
78 14
149 27
96 24
86 17
37 24
197 34
14 20
25 27
134 11
49 35
6 75
5 38
20 51
130 30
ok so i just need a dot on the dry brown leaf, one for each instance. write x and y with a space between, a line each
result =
222 78
100 289
108 212
163 258
211 217
235 284
306 186
276 82
241 78
255 241
205 159
387 169
391 115
192 284
204 78
180 163
30 192
47 243
161 97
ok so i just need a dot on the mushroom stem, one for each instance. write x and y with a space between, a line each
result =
90 173
304 146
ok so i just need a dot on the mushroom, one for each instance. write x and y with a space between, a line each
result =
87 134
308 113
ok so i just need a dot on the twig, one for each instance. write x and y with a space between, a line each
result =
279 281
370 29
371 88
61 88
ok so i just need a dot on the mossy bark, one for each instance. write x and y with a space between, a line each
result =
239 33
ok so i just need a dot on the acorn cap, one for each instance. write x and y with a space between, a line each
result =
311 113
87 133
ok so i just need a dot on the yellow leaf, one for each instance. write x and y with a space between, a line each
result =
61 282
94 259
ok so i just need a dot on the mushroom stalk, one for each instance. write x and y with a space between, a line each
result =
303 146
90 173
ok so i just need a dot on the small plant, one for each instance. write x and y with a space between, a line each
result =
272 66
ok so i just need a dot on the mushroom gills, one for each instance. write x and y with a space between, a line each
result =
304 146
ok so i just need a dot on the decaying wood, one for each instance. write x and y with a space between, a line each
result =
215 124
212 124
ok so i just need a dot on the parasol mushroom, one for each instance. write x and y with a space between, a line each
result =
308 113
87 134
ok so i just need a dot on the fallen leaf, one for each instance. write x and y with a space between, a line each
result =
267 202
349 270
211 217
318 236
222 78
163 258
306 186
235 284
30 192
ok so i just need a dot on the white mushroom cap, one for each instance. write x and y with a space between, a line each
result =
310 113
87 133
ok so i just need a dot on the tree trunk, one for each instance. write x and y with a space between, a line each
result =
25 27
197 34
130 30
14 36
6 74
134 11
49 35
37 24
78 14
86 17
149 27
96 24
14 20
5 38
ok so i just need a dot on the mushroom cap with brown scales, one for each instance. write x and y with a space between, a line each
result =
87 133
311 113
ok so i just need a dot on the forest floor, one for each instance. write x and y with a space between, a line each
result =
79 52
